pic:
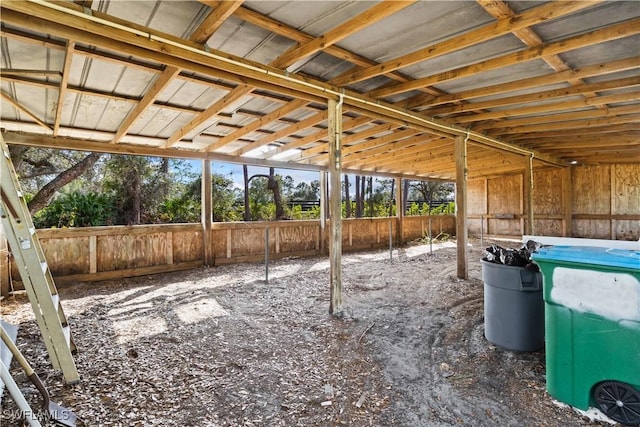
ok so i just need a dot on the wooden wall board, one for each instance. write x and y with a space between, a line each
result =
477 197
504 197
66 256
548 227
591 229
219 242
187 246
120 251
297 238
627 230
591 190
547 193
250 241
626 191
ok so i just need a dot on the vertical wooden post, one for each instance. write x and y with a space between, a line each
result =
206 212
93 254
323 211
567 202
527 185
461 205
399 212
612 208
335 205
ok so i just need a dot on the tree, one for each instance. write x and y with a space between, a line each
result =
430 191
35 166
347 198
258 194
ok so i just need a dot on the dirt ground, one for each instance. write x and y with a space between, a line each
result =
221 347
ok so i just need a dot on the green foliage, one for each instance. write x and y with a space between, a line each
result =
444 209
76 210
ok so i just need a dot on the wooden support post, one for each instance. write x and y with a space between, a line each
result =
567 202
399 212
612 207
527 184
206 210
93 254
335 205
461 205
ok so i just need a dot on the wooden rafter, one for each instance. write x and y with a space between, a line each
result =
62 89
214 20
613 32
160 83
342 31
11 100
482 34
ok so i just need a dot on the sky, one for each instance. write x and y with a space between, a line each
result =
234 171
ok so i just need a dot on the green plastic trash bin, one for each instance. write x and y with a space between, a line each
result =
592 328
513 307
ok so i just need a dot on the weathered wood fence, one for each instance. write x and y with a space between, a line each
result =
103 253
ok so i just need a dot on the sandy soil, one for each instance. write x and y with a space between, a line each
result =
220 347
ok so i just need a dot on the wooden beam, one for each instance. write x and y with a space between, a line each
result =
613 32
548 107
518 85
567 201
482 34
24 109
284 30
214 20
538 96
527 196
257 124
335 206
160 83
461 206
214 109
342 31
62 89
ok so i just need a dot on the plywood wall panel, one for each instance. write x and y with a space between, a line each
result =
626 192
219 242
592 229
66 256
547 192
298 238
591 190
248 241
187 246
477 197
548 227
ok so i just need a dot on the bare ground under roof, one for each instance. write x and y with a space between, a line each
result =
220 347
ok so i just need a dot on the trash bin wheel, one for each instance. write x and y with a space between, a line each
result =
619 401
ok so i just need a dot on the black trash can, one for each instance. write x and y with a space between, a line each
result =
513 307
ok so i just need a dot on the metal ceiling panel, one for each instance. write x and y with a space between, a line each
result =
598 16
249 41
419 25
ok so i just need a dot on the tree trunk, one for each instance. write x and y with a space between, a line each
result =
274 186
371 196
347 205
45 194
247 207
393 185
358 196
405 195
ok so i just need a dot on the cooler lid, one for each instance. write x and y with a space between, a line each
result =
619 258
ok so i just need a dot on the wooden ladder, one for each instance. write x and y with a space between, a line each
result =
34 271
